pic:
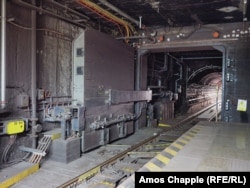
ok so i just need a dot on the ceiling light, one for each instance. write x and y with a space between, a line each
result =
228 9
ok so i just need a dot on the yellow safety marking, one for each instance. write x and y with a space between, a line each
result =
107 183
13 180
152 167
164 125
183 141
187 137
89 174
162 158
242 105
55 136
191 134
169 150
197 128
128 169
177 145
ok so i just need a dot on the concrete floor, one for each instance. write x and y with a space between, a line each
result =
52 173
209 147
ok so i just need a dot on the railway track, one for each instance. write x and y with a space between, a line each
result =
115 170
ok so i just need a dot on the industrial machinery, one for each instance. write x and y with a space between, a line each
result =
102 106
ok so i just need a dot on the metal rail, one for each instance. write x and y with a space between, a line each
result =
94 171
90 173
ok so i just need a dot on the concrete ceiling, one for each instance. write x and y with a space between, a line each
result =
127 17
167 13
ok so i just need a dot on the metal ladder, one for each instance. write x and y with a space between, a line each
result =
42 147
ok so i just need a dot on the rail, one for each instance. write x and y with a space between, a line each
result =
132 154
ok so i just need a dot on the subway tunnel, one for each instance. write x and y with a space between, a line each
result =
188 79
86 74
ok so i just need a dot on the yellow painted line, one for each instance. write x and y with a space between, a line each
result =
152 167
55 136
172 152
177 145
187 137
191 134
126 169
107 183
13 180
197 128
164 125
162 158
183 141
89 174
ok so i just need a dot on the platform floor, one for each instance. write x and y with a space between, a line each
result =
208 146
16 173
52 173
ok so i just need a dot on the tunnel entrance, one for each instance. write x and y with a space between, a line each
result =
184 81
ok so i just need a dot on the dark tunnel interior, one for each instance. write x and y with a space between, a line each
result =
189 78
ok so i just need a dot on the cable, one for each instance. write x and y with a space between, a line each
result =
129 29
13 162
12 140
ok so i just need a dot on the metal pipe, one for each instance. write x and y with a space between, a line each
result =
39 9
69 9
193 58
33 76
106 3
3 55
166 61
140 24
180 76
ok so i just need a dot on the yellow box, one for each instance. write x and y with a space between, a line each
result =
15 126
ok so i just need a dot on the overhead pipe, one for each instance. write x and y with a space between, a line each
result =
3 54
33 76
165 66
106 3
68 9
40 9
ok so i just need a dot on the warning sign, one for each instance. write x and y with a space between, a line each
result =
242 105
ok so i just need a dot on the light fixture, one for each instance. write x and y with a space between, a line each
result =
228 9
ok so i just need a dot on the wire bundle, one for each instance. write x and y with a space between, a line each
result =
4 158
5 155
129 29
